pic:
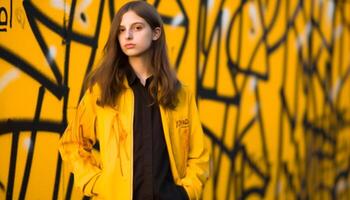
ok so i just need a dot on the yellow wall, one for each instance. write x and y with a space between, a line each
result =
272 79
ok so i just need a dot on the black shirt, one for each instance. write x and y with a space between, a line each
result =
152 179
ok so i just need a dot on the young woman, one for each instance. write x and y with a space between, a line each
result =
147 125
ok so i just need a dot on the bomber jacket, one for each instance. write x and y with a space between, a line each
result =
108 174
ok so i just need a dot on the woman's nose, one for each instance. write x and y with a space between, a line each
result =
128 34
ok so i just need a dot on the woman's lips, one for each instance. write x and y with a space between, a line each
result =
129 46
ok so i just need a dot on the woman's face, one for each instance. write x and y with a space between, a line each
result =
135 34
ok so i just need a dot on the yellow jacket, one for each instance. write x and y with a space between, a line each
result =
108 174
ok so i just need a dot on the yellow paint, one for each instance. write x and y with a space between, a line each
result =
260 99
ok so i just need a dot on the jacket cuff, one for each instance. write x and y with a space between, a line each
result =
190 193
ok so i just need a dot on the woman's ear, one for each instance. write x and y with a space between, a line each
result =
156 33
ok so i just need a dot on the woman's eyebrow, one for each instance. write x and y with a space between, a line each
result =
132 24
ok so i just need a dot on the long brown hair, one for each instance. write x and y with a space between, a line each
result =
112 69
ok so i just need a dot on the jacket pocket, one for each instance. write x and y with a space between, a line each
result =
184 136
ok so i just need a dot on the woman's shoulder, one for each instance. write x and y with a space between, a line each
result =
185 91
93 92
96 90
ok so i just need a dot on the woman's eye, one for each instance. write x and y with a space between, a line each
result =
121 30
138 28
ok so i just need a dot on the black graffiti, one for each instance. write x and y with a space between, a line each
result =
5 18
59 88
325 127
235 178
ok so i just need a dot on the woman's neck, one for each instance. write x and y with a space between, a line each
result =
141 67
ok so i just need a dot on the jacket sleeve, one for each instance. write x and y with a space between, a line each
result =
197 171
76 145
